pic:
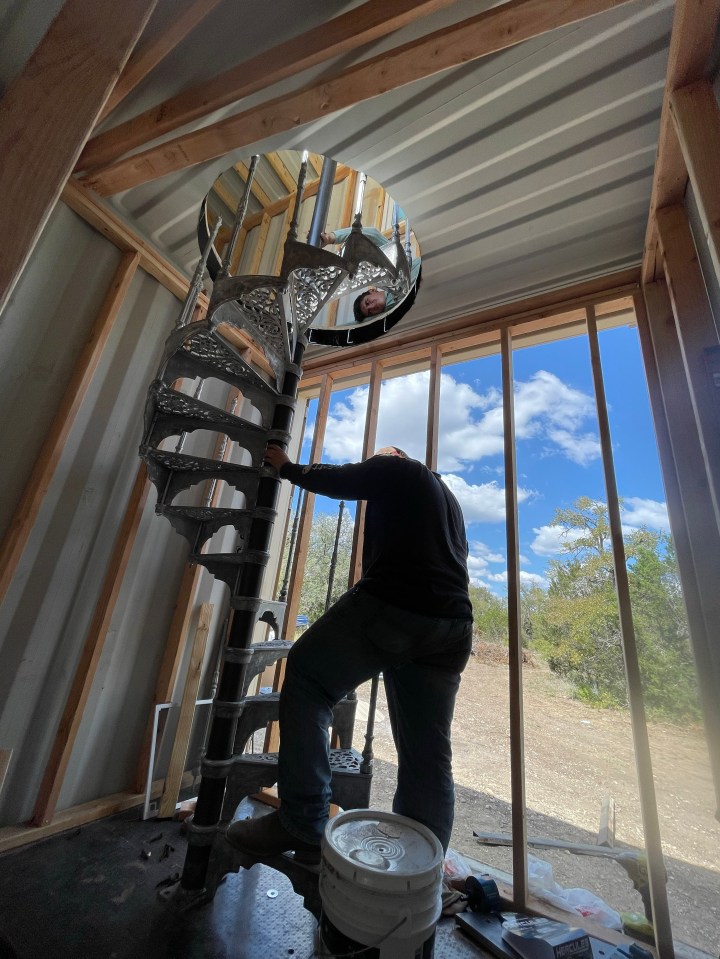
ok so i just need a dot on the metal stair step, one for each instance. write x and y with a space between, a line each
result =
264 655
229 566
195 350
169 412
258 711
173 472
254 771
198 523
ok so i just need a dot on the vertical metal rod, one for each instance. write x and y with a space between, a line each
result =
408 242
333 558
643 761
359 197
292 232
322 201
183 436
517 767
220 456
367 754
196 282
239 217
282 596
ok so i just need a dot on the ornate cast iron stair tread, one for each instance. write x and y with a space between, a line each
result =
345 762
169 412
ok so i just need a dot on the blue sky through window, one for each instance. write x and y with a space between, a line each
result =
558 448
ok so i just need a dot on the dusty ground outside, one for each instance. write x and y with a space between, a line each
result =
576 756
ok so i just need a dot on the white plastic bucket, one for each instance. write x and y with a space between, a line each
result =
380 885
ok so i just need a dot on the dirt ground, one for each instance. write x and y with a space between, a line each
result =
575 757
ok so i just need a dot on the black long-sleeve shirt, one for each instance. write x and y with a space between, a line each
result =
415 549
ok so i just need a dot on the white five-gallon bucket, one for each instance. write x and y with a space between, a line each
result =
380 885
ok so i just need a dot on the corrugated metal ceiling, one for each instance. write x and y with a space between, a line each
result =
522 172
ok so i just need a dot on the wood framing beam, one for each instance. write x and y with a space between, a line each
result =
342 35
416 341
695 24
13 837
638 719
302 543
488 32
515 643
90 657
87 205
47 113
368 448
176 766
144 60
697 542
66 411
696 331
696 115
433 417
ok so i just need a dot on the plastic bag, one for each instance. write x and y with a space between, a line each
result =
580 901
455 867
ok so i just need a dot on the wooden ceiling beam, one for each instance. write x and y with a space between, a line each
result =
348 32
47 113
144 60
489 32
695 25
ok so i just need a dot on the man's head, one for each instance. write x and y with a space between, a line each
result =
392 451
369 303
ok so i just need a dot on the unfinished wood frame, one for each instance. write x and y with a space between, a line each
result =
489 32
178 756
342 35
696 115
47 113
49 456
697 542
145 59
696 331
638 721
515 644
89 661
368 447
433 418
302 543
695 25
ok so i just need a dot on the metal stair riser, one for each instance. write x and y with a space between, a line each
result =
171 473
172 413
198 524
252 772
258 711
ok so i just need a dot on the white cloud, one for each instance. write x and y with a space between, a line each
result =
526 577
471 422
482 502
551 540
645 512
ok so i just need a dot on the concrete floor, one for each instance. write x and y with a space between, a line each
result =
91 894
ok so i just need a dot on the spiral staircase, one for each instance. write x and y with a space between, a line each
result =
277 312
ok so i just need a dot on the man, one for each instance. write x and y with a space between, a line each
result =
409 617
372 302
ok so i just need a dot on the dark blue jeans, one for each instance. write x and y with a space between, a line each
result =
421 659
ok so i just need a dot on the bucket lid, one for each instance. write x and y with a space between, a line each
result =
382 850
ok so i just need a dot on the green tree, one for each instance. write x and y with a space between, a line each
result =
489 616
576 625
317 567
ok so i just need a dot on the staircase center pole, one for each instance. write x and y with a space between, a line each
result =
219 750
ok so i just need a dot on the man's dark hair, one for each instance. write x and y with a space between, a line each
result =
357 308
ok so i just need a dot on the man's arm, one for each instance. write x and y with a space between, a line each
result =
376 478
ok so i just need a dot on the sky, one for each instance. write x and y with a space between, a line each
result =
557 444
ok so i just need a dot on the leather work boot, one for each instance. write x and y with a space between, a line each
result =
266 837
